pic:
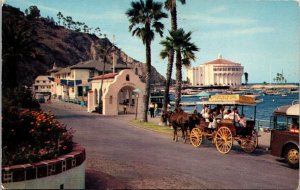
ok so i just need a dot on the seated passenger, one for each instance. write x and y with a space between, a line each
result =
234 115
207 115
213 121
226 114
243 121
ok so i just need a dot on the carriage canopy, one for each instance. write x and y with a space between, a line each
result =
230 99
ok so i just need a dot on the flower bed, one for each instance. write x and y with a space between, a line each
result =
32 136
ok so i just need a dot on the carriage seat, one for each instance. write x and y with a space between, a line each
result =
250 123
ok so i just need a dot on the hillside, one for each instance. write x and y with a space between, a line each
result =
50 43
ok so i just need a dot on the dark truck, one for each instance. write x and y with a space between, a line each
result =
285 135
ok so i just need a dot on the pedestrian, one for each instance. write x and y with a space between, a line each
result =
125 109
151 109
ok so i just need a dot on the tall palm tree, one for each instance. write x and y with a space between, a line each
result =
170 5
144 18
185 50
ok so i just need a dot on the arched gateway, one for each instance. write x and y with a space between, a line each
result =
120 90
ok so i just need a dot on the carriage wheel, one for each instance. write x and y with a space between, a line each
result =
196 137
250 144
223 140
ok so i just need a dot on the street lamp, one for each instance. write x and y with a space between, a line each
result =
136 91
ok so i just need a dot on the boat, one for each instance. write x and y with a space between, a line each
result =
185 103
259 100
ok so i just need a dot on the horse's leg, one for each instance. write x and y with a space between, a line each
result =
185 134
174 132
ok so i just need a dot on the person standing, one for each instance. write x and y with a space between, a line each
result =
151 109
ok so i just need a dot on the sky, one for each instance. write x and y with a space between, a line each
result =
261 35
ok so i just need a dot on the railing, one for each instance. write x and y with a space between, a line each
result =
266 124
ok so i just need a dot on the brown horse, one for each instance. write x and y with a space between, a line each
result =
182 120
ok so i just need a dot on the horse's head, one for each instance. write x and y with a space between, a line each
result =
166 115
195 118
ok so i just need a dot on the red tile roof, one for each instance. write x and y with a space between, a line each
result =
222 61
105 76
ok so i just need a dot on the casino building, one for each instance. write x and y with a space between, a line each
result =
219 72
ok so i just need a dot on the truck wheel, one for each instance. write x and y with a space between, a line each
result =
291 156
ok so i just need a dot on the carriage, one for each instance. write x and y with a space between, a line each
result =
227 130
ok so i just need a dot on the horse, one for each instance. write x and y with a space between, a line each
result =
182 120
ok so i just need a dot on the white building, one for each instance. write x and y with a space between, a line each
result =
118 91
73 82
42 85
219 72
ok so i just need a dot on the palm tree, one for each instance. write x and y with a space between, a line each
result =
185 50
104 51
144 18
170 5
246 77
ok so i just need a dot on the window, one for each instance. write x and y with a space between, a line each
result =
44 81
37 81
127 78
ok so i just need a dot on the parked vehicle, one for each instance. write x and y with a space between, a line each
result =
40 98
227 130
285 135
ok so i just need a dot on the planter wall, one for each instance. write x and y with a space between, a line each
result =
64 172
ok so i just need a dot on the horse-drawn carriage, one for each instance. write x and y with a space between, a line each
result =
227 130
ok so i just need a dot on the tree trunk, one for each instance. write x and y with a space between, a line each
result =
173 12
168 81
100 106
148 74
178 79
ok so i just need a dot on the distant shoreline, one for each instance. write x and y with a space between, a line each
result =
268 86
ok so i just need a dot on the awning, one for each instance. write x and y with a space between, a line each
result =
71 82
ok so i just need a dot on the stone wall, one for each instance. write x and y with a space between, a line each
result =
67 172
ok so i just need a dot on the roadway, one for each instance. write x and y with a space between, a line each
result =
143 159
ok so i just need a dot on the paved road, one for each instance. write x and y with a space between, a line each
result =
141 158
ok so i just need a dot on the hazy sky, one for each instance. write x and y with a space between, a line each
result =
261 35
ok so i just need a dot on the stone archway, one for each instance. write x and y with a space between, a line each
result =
126 99
120 89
